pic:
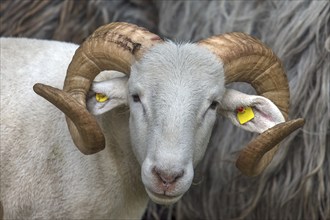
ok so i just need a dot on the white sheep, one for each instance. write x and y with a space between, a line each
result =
154 122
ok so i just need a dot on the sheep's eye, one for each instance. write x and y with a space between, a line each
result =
136 98
214 105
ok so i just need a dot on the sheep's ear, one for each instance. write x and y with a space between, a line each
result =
106 95
250 112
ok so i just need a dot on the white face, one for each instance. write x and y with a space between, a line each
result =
173 95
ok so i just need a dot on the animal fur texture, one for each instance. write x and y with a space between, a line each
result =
42 179
297 184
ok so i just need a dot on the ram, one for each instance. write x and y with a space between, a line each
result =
141 134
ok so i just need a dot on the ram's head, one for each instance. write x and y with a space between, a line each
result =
174 93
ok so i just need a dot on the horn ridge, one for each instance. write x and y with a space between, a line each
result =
114 46
247 59
259 152
73 108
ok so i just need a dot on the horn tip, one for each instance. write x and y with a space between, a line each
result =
298 122
37 87
40 88
247 172
87 151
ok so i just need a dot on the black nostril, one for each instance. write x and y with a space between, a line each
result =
180 174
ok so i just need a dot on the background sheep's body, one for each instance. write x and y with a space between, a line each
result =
297 186
47 158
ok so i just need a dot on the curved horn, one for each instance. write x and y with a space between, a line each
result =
111 47
249 160
246 59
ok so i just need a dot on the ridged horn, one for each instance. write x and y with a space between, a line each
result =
246 59
111 47
249 160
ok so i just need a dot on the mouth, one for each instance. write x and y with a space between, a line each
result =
163 199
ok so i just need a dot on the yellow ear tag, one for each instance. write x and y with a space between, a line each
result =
101 97
244 114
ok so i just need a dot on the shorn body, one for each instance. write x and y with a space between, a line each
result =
43 175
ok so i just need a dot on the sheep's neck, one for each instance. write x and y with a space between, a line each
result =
118 147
